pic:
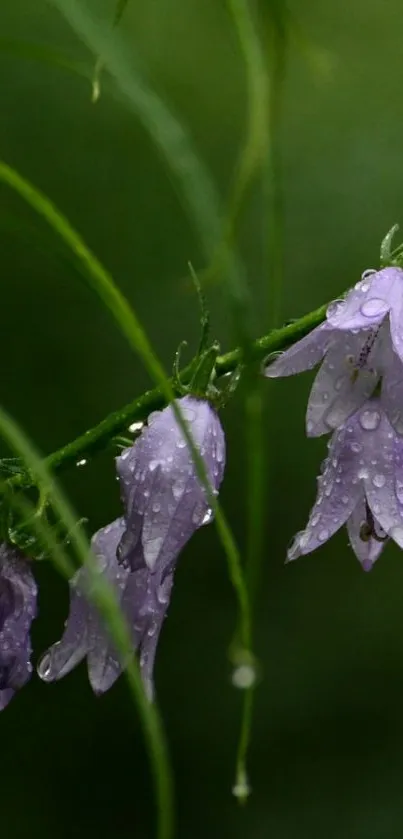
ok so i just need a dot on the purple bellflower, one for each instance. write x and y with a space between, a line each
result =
361 484
163 498
17 609
164 504
143 600
361 342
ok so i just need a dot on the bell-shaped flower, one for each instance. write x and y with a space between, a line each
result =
361 485
143 599
163 497
18 593
360 347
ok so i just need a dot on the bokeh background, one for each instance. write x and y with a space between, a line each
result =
326 753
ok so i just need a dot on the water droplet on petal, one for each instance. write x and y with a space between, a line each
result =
315 519
355 447
344 499
323 535
44 668
136 426
363 474
369 420
153 465
374 307
399 491
208 516
181 443
379 480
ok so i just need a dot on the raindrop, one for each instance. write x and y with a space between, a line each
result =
153 465
178 489
82 462
335 308
323 535
136 426
363 474
374 307
181 443
379 481
156 507
189 414
208 516
355 447
315 519
370 420
44 667
344 499
244 676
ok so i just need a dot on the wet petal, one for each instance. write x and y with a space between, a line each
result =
165 501
18 592
344 382
380 473
368 550
304 355
103 661
338 492
392 384
368 303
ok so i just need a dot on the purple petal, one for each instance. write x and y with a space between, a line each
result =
344 382
104 664
392 383
18 608
84 634
145 601
165 501
338 492
368 303
379 470
366 551
396 320
304 355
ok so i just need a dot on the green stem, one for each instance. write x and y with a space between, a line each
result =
99 437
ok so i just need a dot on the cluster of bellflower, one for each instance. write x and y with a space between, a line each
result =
164 503
357 394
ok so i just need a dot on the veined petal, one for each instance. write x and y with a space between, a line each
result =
392 383
338 493
367 304
303 355
103 661
380 472
396 319
343 383
18 594
165 501
65 654
366 550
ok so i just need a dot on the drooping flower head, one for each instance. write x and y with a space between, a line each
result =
164 504
143 600
18 593
362 485
164 499
361 342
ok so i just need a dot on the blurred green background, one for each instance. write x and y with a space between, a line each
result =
326 754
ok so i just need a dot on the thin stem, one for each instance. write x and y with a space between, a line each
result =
99 437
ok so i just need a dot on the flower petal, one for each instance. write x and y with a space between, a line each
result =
368 303
165 501
338 492
19 592
366 551
342 384
304 355
392 384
